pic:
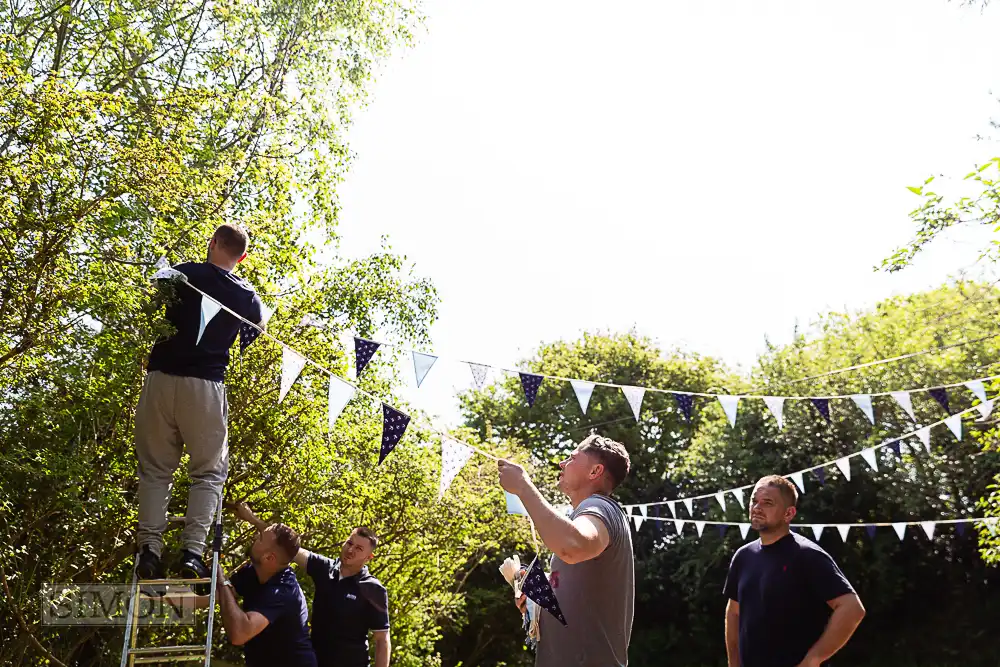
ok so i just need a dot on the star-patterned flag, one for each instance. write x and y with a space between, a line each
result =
364 350
686 403
479 374
394 424
454 456
823 405
537 588
940 394
248 334
530 383
897 447
292 364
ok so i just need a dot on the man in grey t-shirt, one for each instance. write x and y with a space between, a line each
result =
592 572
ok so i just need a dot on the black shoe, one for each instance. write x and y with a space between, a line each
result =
191 566
149 565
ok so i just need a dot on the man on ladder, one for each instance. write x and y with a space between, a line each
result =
183 404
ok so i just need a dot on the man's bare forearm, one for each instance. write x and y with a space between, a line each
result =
557 532
843 622
234 619
383 647
733 638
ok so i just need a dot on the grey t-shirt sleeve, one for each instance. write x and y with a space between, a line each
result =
609 513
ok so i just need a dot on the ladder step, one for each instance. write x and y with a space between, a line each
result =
167 582
168 658
155 650
178 595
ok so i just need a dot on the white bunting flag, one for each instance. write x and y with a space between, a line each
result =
818 530
583 391
739 497
168 273
479 372
925 437
844 528
900 529
679 526
340 394
514 504
928 527
864 401
799 481
162 262
292 364
422 365
954 423
730 404
209 309
776 404
977 388
870 458
644 511
265 313
905 402
670 506
845 467
721 497
634 397
700 527
744 530
454 456
985 409
638 521
689 504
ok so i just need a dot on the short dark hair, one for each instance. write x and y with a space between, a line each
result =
368 534
288 541
232 238
611 454
784 486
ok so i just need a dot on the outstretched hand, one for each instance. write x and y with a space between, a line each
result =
513 478
242 511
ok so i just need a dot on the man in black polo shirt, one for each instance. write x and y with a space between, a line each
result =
789 604
349 602
183 404
272 624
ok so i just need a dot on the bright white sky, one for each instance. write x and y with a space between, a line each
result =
709 173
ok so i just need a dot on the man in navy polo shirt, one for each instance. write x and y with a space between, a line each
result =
183 404
349 602
789 604
272 625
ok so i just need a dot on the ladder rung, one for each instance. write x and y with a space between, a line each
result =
153 650
168 658
179 595
167 582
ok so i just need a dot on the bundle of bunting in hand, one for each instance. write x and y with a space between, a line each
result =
514 573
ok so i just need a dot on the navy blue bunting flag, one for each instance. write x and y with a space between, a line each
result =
960 529
248 334
537 588
821 475
706 505
940 394
530 383
686 403
823 405
364 350
870 530
722 530
394 424
895 446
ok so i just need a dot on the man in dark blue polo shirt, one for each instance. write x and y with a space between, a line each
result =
183 403
272 625
789 604
349 602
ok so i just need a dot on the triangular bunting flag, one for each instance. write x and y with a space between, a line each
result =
940 394
843 529
845 467
634 397
928 527
799 481
340 394
960 529
823 405
537 588
925 437
454 456
364 350
818 530
700 527
739 497
166 272
530 384
479 372
730 404
292 364
721 497
744 530
686 404
869 456
670 506
514 504
248 334
644 511
897 447
679 526
209 309
985 409
905 402
722 530
776 404
864 401
689 504
583 391
977 388
638 521
394 424
422 365
162 263
870 530
954 423
820 475
900 529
